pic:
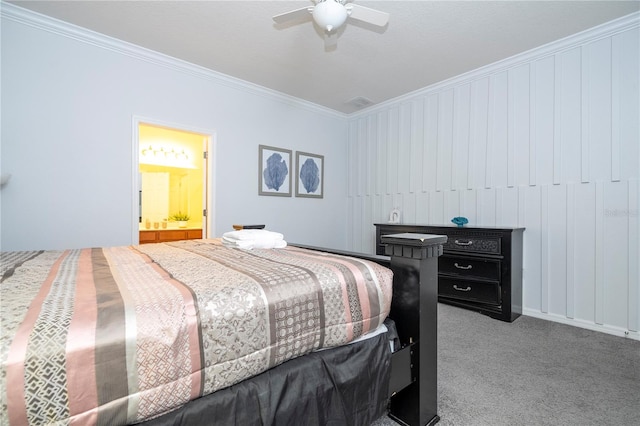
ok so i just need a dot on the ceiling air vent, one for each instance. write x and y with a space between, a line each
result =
360 102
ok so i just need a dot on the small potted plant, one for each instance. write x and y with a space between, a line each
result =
181 218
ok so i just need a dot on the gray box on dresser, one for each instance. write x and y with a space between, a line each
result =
480 269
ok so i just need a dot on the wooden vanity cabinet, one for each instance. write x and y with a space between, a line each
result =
164 235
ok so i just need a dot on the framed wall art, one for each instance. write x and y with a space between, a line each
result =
309 175
274 174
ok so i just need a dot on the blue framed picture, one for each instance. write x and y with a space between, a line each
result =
310 175
274 174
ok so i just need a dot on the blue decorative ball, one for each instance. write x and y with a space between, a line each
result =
460 221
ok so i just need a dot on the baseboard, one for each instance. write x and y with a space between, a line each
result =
603 328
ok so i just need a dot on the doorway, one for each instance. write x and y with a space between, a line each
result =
172 183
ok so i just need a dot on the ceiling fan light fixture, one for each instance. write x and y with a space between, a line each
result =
329 14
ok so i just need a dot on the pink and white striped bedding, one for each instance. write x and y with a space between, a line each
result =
119 335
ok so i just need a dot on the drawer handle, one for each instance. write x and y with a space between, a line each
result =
455 287
463 243
462 267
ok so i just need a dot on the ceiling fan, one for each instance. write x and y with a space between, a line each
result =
330 15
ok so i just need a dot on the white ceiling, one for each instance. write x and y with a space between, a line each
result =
425 41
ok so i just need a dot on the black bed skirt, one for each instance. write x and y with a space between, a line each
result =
340 386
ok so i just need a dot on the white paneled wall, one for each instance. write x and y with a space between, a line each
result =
548 140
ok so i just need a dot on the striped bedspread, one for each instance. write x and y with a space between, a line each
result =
118 335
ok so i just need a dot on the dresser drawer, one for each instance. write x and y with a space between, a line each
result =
474 244
471 290
469 267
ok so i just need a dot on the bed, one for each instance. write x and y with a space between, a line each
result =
175 333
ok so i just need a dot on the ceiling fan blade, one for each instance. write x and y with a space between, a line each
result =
365 14
293 15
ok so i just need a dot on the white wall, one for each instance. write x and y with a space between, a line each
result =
69 98
548 140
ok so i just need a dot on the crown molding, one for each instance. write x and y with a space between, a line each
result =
608 29
55 26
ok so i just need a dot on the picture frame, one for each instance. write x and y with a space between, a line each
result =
309 175
274 171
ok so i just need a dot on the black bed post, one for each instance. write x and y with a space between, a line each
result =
414 308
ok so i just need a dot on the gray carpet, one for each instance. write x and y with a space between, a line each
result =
532 372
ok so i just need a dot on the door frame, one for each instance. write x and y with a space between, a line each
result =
208 186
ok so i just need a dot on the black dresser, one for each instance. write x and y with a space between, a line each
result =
480 269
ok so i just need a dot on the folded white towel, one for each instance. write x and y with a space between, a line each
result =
251 244
253 238
253 234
